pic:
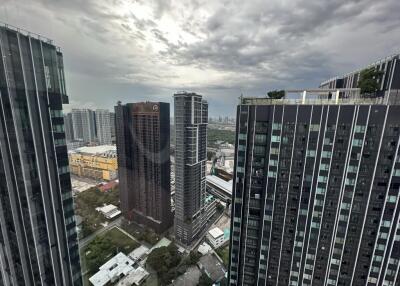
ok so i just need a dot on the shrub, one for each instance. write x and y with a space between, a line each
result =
368 82
276 94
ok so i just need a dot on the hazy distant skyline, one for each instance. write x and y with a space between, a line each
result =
147 50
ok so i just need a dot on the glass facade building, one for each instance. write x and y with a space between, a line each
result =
316 193
38 239
191 115
144 165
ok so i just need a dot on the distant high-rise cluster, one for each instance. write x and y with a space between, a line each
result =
83 126
38 238
143 147
316 187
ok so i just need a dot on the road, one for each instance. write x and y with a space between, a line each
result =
85 241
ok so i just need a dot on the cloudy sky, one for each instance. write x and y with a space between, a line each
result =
135 50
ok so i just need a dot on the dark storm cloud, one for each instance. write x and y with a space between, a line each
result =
218 48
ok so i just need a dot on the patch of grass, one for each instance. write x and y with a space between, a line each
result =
105 246
223 253
141 233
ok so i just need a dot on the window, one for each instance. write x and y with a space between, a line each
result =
314 127
310 153
276 126
359 129
322 179
56 113
242 136
391 199
58 128
324 167
276 138
326 154
259 150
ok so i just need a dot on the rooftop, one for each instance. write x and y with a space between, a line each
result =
212 267
220 183
135 277
216 232
189 278
119 265
97 150
378 62
27 33
138 252
109 211
204 248
340 96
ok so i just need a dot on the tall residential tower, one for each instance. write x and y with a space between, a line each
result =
316 191
191 115
38 239
103 126
143 147
84 125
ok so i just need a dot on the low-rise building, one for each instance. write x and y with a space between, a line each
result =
204 248
135 277
98 162
111 271
109 211
139 253
216 237
219 188
212 267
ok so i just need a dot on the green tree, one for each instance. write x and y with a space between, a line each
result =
165 260
276 94
368 82
194 257
205 280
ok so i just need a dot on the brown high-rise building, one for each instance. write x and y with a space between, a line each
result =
143 147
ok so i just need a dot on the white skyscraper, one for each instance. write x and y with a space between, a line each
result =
103 126
83 121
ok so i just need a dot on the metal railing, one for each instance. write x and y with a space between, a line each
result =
27 33
390 97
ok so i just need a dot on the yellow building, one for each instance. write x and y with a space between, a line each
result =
99 162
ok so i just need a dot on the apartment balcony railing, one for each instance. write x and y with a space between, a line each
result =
343 96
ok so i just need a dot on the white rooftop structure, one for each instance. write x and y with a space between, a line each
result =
97 150
204 248
216 232
110 271
139 252
216 237
221 183
135 277
109 211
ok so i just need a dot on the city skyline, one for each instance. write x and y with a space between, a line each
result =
131 48
200 142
